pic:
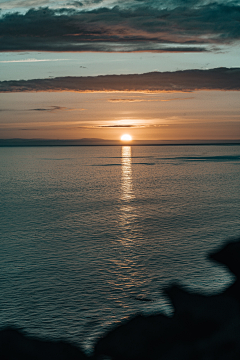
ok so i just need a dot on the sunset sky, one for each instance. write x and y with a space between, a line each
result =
157 70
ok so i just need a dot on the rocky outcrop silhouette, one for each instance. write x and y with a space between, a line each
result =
201 328
229 256
16 346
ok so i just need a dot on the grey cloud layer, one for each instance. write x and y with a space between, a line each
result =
133 26
187 80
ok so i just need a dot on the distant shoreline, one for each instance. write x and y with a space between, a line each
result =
101 142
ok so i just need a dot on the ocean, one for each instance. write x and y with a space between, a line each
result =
92 235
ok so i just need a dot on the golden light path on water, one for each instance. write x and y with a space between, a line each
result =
131 277
126 181
127 194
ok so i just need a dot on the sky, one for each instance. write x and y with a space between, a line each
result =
96 69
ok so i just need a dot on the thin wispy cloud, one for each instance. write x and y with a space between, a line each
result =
117 126
127 126
48 109
32 60
128 100
147 100
56 108
178 81
169 26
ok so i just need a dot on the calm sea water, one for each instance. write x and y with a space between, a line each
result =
87 233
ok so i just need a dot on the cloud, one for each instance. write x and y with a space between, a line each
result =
127 126
147 100
85 3
128 100
137 126
56 108
31 60
117 126
49 108
173 26
186 81
15 4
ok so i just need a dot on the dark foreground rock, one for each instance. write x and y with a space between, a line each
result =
16 346
229 256
202 327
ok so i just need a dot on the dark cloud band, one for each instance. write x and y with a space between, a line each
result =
184 26
186 80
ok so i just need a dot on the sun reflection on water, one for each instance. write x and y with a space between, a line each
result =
127 209
130 278
127 193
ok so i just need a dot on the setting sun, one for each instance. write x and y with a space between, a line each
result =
126 137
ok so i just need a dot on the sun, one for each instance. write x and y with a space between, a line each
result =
126 137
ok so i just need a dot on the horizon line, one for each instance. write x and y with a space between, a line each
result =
20 142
